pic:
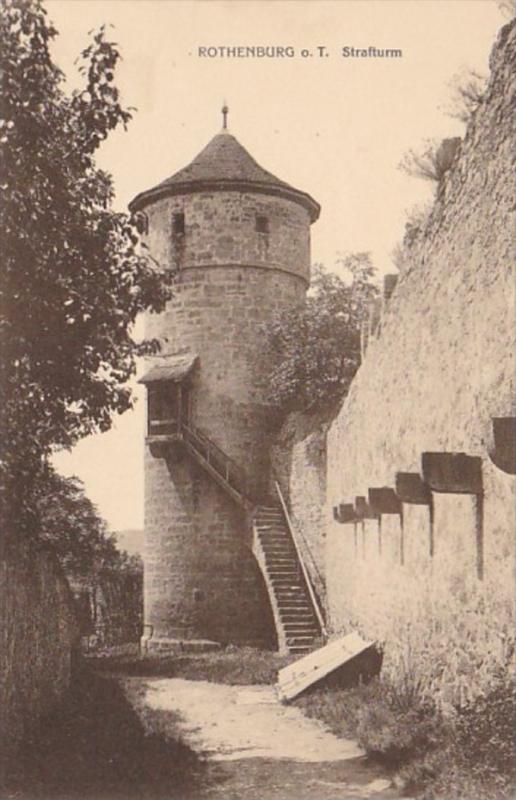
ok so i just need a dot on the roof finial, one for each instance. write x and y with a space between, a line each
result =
225 112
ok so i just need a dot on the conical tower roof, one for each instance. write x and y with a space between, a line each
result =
224 164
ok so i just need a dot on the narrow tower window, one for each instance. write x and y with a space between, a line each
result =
262 224
178 224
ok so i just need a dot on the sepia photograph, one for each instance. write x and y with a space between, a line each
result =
257 400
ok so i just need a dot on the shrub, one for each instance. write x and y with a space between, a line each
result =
313 349
485 734
433 161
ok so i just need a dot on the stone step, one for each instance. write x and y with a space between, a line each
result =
299 641
280 554
286 596
293 629
283 569
270 557
288 599
275 566
273 532
287 572
298 651
304 624
268 544
271 522
271 548
268 524
304 616
276 540
286 583
280 560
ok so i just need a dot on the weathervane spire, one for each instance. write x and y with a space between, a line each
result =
225 112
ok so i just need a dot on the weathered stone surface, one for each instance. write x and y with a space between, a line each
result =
440 370
201 579
39 636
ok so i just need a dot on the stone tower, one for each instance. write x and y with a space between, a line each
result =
240 240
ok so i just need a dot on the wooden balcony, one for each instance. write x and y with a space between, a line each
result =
162 434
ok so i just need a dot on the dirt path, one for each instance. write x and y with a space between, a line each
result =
255 747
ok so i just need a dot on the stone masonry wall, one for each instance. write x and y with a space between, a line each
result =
440 369
220 229
299 466
38 639
217 312
201 579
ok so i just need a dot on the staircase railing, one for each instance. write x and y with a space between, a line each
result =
308 580
218 461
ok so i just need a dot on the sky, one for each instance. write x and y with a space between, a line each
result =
335 127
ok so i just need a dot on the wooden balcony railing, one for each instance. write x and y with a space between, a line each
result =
164 427
228 472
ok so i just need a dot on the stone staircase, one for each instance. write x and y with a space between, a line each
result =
298 622
297 626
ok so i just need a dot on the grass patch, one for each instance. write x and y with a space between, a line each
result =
235 666
469 757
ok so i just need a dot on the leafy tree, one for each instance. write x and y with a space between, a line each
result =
74 278
314 348
71 524
432 162
107 583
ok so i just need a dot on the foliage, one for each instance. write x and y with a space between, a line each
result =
394 733
463 757
314 348
432 162
507 8
71 524
485 732
390 722
416 219
468 88
73 279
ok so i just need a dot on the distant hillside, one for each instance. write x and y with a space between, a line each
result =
130 540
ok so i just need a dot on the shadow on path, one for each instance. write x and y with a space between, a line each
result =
97 748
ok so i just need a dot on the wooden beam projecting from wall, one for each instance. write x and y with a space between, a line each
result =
503 453
458 473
